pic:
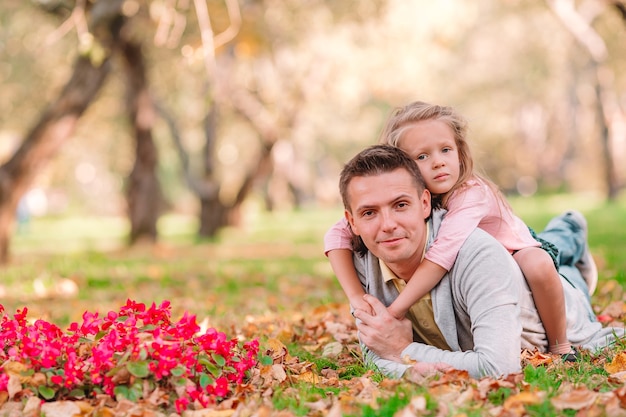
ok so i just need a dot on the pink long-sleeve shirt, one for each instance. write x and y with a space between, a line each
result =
473 206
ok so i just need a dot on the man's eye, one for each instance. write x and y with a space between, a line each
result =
367 213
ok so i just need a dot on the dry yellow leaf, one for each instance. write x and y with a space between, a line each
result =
618 364
60 409
104 412
32 406
332 349
575 400
278 372
522 398
309 377
445 392
208 413
618 377
14 385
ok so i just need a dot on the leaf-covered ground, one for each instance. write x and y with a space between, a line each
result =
316 369
283 292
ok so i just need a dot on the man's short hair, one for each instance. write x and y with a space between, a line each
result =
376 160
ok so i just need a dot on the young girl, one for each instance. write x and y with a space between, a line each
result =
434 136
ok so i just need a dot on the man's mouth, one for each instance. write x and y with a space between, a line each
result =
390 241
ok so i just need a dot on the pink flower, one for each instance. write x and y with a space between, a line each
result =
221 387
91 324
4 379
181 404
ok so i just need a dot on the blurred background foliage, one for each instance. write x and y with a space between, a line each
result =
311 82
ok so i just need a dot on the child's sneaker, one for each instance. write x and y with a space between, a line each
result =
571 356
586 265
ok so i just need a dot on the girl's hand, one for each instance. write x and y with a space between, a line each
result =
427 369
420 372
397 314
360 304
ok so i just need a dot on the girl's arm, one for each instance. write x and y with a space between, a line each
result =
338 249
466 209
425 278
341 262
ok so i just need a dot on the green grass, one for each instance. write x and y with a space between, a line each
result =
274 262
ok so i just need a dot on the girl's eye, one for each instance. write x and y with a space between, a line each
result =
420 157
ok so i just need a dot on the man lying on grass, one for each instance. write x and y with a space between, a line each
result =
481 314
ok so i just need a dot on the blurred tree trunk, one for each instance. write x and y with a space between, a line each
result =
213 212
578 22
143 191
54 127
58 122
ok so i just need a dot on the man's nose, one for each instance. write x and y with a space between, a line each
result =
388 220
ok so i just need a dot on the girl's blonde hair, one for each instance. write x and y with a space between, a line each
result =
403 118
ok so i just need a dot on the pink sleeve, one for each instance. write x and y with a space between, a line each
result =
338 237
466 209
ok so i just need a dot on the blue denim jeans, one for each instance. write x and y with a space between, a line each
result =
567 234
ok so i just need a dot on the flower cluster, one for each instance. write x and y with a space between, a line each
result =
120 353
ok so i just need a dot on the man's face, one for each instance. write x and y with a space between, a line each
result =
389 214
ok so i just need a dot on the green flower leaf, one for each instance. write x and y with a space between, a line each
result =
46 392
77 393
121 391
179 370
214 370
206 380
219 359
204 360
138 369
143 354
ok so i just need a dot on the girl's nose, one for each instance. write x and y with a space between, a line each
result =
438 162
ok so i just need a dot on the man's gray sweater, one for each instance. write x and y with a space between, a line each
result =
485 311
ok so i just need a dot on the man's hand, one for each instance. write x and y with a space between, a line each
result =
382 333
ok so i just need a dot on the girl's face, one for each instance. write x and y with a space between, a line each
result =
431 144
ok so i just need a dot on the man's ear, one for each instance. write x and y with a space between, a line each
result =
426 203
350 220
